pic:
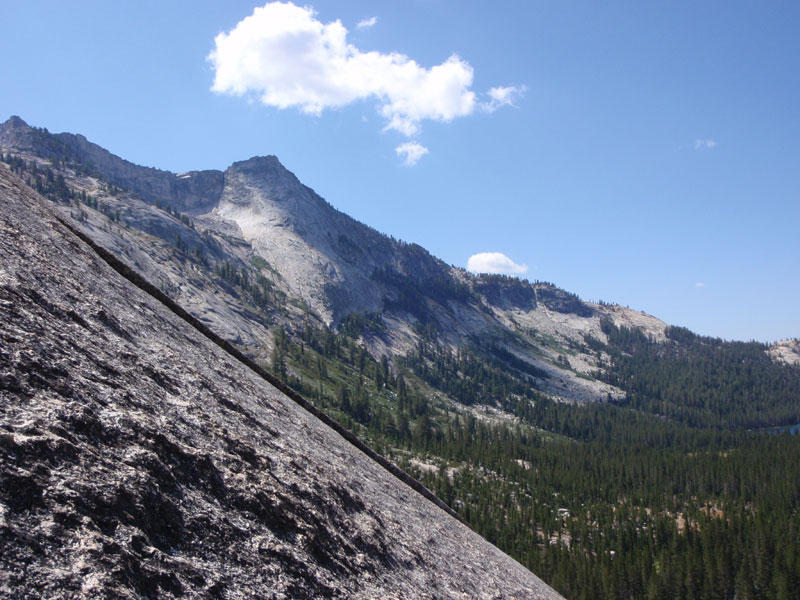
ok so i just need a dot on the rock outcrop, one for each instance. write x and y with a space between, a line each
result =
138 459
787 351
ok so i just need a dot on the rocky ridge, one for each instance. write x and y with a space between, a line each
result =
139 459
325 265
323 262
195 191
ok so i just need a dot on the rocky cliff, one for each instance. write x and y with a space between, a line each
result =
258 220
325 264
139 459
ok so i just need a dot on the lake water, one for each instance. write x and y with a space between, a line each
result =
793 429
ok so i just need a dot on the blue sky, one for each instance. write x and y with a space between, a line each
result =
649 155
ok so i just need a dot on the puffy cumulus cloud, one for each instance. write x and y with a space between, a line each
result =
286 58
704 144
494 262
367 23
411 152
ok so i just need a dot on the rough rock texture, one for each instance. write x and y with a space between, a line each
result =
787 351
140 460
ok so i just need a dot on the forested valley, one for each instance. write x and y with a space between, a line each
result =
684 488
673 492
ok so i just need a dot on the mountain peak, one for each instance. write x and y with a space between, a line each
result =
15 121
260 162
16 132
267 167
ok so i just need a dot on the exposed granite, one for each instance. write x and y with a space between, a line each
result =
322 260
138 459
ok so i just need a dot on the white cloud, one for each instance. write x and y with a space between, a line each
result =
704 144
411 152
503 96
493 262
285 57
699 284
367 23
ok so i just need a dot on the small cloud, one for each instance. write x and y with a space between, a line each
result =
411 152
503 96
494 262
704 144
699 284
367 23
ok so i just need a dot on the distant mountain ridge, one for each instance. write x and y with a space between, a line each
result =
200 190
335 266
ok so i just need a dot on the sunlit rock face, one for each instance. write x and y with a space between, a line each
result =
326 257
325 264
138 459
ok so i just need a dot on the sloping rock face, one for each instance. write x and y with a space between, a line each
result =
328 258
138 459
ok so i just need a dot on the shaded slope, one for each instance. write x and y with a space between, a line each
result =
138 458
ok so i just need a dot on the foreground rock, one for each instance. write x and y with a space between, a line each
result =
138 459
